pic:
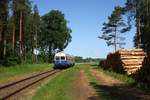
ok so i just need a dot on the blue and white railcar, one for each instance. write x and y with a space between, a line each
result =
62 60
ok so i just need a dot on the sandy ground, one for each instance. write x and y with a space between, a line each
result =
81 89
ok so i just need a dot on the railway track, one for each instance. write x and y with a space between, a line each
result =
13 88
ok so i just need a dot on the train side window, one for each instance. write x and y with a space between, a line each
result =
62 57
67 58
57 58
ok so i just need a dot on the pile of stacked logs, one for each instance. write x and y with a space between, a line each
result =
124 61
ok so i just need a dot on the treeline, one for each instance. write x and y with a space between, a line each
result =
123 19
79 59
24 33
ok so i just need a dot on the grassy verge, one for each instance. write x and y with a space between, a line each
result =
102 93
127 80
89 74
110 92
10 73
59 87
124 78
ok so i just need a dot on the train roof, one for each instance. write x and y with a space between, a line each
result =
62 54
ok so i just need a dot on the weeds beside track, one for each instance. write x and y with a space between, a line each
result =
13 88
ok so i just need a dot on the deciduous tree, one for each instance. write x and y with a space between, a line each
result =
56 34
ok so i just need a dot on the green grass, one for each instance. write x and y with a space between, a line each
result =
129 81
58 88
89 74
9 73
122 77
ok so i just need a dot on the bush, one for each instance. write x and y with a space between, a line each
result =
12 59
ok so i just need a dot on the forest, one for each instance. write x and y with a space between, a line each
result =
27 37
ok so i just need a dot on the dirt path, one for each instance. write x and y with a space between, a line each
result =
81 89
112 89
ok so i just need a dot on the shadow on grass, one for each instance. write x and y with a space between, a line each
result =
116 92
94 65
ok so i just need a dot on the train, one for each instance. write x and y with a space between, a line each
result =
63 60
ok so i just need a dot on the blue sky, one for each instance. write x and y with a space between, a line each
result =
85 19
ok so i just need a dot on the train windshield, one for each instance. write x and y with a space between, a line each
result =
62 57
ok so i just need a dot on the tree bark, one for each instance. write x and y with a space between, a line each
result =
20 33
115 39
13 39
138 32
50 55
147 7
36 44
4 51
2 45
3 18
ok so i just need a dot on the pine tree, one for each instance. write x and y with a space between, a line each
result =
134 9
138 10
3 27
21 15
35 29
145 27
113 28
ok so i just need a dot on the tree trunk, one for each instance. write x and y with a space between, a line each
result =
115 39
4 51
50 55
20 33
3 18
36 45
1 45
2 48
138 22
147 7
13 39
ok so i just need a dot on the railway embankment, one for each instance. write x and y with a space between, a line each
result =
8 74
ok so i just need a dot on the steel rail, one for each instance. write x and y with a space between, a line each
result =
13 83
51 72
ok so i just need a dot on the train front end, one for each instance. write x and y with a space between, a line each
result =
60 60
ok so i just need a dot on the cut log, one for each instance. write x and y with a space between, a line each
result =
131 57
132 66
132 53
131 49
130 62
